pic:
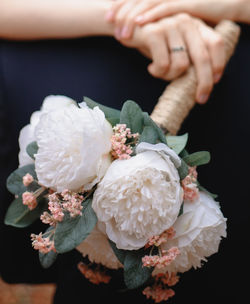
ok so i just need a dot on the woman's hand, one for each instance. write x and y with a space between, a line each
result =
174 43
127 13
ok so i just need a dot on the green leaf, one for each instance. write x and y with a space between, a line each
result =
72 231
197 158
112 115
15 180
32 149
120 253
149 135
177 143
183 153
132 116
148 122
47 259
183 170
135 275
181 209
19 215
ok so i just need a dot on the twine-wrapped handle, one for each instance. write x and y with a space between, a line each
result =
178 98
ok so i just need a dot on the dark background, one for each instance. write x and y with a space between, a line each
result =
103 70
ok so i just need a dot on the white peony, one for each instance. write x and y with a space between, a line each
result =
198 234
96 246
74 145
27 133
139 197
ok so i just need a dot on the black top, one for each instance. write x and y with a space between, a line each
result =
109 73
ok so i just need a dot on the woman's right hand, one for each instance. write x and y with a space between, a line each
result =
176 42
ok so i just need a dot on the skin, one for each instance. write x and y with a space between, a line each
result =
46 19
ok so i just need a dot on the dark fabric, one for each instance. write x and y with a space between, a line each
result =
105 71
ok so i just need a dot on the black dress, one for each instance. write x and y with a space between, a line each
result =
109 73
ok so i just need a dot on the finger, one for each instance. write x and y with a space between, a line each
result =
120 18
159 53
200 58
111 14
215 45
179 60
129 22
197 8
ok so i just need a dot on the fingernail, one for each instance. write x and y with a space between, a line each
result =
217 77
109 15
203 98
124 32
117 33
139 19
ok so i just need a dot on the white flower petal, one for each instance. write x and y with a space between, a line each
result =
198 233
138 198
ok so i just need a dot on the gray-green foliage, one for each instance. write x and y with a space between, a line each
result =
73 230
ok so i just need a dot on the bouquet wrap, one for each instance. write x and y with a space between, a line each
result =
178 98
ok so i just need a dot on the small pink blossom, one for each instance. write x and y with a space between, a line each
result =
27 179
95 276
161 261
169 279
41 243
158 293
72 202
189 185
29 199
120 148
157 240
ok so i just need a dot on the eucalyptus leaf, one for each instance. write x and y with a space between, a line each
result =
132 116
32 149
15 180
183 170
183 153
197 158
181 209
120 253
135 275
112 115
148 121
149 135
72 231
177 143
19 215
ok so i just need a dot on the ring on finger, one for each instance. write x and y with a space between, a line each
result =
178 49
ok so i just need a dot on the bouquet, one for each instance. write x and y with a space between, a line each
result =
111 184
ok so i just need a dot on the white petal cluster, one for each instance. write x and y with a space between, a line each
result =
199 231
138 198
74 145
97 248
27 133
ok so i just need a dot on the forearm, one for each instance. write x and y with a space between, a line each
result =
45 19
243 11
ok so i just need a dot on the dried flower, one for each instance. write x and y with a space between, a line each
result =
95 276
121 148
27 179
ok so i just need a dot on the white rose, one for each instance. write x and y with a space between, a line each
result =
138 198
27 133
96 246
74 145
198 234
